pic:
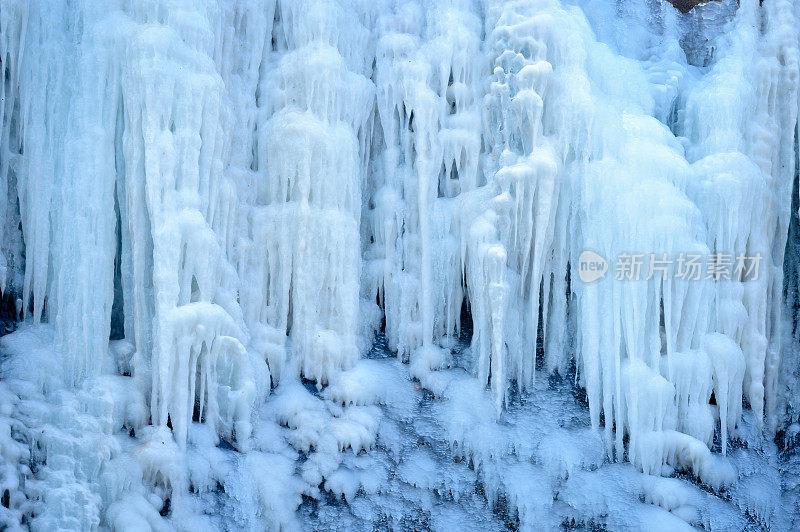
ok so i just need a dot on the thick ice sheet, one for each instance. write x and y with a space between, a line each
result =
209 210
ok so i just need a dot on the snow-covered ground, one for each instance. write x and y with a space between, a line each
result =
399 264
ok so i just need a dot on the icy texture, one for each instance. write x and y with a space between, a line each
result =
210 209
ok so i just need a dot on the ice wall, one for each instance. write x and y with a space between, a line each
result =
262 185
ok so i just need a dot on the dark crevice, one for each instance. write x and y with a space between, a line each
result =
791 259
117 307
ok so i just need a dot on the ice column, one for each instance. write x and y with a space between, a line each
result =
62 108
741 122
519 225
428 67
316 110
176 143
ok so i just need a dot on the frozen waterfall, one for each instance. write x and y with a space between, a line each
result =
399 265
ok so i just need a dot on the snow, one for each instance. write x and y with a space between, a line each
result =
286 264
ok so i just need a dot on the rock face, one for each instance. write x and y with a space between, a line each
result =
684 6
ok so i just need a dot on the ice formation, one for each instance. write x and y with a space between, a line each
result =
286 263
